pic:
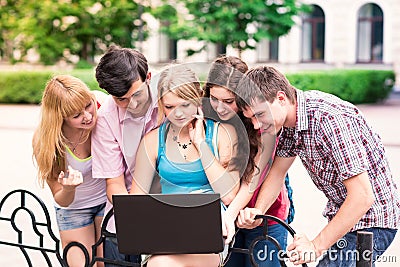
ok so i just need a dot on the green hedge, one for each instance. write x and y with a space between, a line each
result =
22 87
356 86
26 87
88 77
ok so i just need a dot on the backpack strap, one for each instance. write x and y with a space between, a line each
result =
290 196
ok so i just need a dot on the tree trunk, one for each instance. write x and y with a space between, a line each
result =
84 54
8 50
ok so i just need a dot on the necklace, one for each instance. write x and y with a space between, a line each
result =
73 147
181 145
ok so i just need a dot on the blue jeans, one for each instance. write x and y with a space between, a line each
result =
111 252
265 253
344 254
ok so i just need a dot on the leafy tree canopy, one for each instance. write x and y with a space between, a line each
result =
57 28
240 23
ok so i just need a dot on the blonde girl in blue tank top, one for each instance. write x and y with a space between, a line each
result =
190 153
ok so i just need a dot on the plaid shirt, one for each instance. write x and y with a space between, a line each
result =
335 143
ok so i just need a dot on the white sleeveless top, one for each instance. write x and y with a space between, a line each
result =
91 192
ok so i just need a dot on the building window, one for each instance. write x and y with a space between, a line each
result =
268 50
274 49
313 39
168 49
173 47
370 34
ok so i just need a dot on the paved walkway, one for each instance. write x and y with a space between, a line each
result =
17 124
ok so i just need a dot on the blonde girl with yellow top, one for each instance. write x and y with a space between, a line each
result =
62 150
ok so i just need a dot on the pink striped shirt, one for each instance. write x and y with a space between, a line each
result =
115 141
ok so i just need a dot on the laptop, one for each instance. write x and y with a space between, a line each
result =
168 223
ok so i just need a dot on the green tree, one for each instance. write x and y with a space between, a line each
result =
56 29
10 17
240 23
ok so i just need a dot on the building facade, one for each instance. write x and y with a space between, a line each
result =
355 34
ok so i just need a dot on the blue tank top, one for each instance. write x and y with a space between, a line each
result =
183 178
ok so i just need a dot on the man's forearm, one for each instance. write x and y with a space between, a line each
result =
116 186
273 183
358 201
267 196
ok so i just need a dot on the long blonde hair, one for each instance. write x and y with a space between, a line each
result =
183 82
63 97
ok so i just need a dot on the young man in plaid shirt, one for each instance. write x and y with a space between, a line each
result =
343 156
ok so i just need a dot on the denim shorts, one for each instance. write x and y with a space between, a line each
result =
68 219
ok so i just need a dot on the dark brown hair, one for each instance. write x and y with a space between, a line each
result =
119 68
263 83
227 71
